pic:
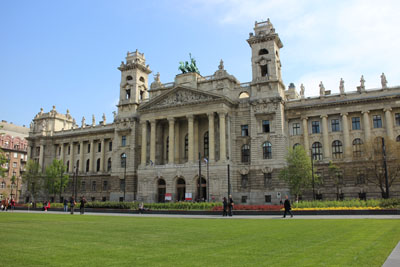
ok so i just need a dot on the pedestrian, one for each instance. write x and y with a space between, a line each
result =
12 204
225 203
230 205
65 204
141 208
287 206
82 207
6 204
72 204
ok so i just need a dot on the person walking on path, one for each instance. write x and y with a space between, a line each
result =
225 203
287 206
72 204
65 204
82 207
12 203
230 206
5 207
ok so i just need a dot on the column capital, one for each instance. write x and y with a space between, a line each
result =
365 112
344 114
324 116
143 122
171 119
152 121
304 118
210 114
387 109
222 113
190 116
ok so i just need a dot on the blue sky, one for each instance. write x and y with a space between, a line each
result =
66 53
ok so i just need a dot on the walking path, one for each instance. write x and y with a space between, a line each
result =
392 261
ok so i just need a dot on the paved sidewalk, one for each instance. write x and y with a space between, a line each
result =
394 258
298 217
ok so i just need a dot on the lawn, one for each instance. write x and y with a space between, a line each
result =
65 240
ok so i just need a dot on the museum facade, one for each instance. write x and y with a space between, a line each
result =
233 136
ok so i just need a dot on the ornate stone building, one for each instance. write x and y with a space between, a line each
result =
150 151
14 145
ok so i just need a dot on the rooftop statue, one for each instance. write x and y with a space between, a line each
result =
341 86
186 67
383 80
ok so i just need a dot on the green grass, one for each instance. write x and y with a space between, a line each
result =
65 240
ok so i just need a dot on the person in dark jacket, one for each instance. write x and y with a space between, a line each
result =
72 204
82 207
65 204
225 203
230 205
287 206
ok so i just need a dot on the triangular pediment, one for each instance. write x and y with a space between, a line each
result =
181 96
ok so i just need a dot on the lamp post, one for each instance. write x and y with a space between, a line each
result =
124 161
229 180
208 181
385 166
75 182
312 174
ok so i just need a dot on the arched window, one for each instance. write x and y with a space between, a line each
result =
398 138
264 70
317 151
167 148
142 79
129 78
109 164
267 150
244 95
263 52
180 189
245 153
161 188
123 160
206 145
337 149
295 145
98 165
87 165
186 146
357 148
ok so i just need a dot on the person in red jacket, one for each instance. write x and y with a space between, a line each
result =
12 202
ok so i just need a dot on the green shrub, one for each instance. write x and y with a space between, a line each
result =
382 203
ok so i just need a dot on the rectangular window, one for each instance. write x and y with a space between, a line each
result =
105 185
110 146
122 184
15 155
99 147
245 180
88 148
245 130
267 179
93 185
14 165
69 150
59 151
315 127
377 121
79 148
268 199
355 122
296 128
244 199
83 186
265 126
123 140
335 125
397 117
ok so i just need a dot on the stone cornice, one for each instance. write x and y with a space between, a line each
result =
131 66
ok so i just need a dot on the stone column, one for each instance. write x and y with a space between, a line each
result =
305 135
389 123
144 143
71 157
196 139
211 137
153 125
171 152
29 152
81 163
91 163
325 136
367 127
222 136
346 136
190 137
177 142
41 156
62 153
102 155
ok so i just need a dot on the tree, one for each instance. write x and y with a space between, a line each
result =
376 161
3 160
56 178
33 179
335 174
298 172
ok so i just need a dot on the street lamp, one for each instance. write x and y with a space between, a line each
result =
312 173
229 179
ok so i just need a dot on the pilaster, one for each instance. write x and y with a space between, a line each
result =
211 137
325 136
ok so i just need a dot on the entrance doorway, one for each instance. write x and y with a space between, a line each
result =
180 189
161 189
